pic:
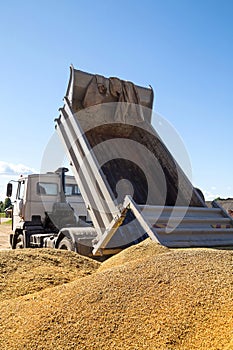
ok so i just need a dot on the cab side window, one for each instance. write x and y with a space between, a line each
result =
72 190
47 189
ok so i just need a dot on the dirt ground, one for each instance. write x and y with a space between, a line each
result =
5 230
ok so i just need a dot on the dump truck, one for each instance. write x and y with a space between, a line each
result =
131 185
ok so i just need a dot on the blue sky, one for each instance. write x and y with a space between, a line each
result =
184 49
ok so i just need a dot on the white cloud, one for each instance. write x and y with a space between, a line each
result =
14 169
10 171
209 196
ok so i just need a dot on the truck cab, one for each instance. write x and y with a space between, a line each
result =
43 207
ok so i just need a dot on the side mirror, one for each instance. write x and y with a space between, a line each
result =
9 190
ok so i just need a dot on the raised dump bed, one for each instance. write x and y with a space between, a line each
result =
130 182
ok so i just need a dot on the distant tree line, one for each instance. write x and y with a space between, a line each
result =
5 204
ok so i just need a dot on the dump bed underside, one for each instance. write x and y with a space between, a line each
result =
128 148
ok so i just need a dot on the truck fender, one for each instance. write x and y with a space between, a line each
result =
66 233
200 194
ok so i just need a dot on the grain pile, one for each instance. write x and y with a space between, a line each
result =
182 299
29 270
144 249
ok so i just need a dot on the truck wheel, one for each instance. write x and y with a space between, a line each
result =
200 193
19 242
66 244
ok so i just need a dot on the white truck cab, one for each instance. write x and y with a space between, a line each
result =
37 193
43 207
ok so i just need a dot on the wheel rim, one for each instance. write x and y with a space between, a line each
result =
64 247
19 242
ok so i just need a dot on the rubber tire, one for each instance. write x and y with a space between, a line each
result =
19 244
66 244
200 193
